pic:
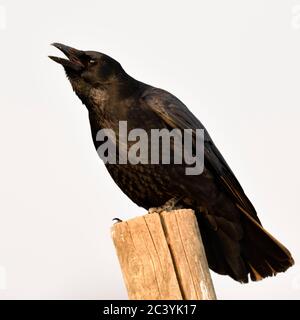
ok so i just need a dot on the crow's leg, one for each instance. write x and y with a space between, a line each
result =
170 205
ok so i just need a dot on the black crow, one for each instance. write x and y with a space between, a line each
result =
235 242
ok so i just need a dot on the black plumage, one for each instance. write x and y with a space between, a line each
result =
235 242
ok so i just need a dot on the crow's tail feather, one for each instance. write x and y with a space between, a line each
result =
256 253
264 255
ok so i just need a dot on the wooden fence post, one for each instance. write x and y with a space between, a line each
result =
162 257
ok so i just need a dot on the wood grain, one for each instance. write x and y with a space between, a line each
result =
162 257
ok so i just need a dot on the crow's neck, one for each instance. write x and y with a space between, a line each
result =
110 100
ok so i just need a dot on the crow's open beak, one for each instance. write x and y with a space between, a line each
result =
74 57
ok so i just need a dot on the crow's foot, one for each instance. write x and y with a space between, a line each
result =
170 205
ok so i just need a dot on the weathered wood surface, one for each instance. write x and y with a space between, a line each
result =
162 257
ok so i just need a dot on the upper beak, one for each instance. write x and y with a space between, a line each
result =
74 56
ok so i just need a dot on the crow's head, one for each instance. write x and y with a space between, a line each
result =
87 69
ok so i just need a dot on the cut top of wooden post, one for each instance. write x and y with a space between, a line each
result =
162 257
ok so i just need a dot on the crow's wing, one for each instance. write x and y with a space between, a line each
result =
176 115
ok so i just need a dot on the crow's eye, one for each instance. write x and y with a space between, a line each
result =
92 61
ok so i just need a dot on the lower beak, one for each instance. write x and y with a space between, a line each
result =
74 57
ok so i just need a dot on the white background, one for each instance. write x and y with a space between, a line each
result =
236 64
